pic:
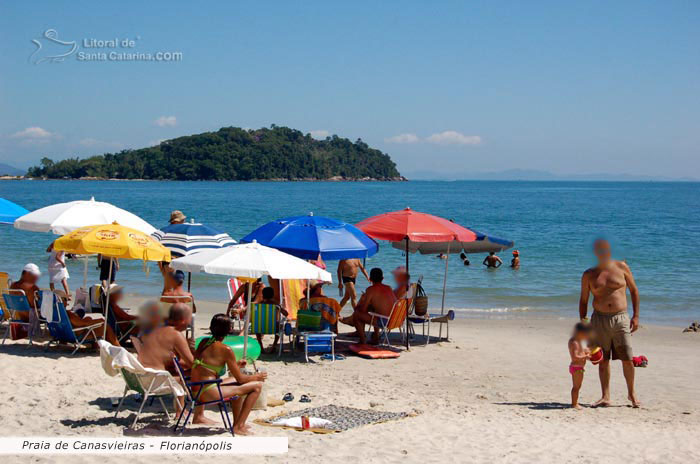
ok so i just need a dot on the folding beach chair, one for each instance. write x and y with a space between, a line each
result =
17 303
396 318
121 329
317 321
62 330
149 383
4 287
232 285
192 400
428 318
267 319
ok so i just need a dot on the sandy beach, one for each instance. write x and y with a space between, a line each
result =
499 390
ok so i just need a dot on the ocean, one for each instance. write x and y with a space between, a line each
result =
654 226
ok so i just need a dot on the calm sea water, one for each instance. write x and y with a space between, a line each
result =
655 227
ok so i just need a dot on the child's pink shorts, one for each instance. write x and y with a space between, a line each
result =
574 368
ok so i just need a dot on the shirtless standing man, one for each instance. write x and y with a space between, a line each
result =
347 274
612 326
378 298
492 261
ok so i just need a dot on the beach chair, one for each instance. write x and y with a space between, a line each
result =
17 303
317 325
396 318
149 383
232 285
192 400
267 319
328 308
167 301
95 299
428 318
62 330
122 329
4 287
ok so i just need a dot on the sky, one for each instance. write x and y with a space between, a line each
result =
447 87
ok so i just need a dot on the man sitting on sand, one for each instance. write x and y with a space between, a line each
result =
492 261
608 281
160 343
378 298
347 275
178 290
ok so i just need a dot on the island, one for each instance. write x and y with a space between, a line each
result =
233 153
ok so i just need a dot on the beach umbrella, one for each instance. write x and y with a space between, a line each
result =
483 244
9 211
309 236
63 218
114 241
411 228
250 261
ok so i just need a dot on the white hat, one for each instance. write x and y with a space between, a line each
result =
32 268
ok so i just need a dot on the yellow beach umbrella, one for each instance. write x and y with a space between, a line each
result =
114 241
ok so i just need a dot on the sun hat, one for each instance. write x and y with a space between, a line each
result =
32 268
516 253
177 216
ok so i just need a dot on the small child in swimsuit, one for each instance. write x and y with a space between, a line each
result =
579 354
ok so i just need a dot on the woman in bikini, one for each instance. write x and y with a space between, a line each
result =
211 360
579 354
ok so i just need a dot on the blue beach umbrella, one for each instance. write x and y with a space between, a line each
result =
10 211
307 237
189 238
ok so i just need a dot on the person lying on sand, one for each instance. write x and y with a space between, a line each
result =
211 357
579 355
378 298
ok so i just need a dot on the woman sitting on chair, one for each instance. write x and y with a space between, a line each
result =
211 357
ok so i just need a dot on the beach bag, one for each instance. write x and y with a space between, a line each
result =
18 331
420 307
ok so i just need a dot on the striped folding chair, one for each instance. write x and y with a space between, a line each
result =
267 319
4 287
232 285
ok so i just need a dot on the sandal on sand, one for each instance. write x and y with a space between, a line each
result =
329 357
288 397
305 399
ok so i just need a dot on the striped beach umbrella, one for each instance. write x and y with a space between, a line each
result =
189 237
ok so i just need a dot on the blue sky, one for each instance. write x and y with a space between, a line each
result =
451 87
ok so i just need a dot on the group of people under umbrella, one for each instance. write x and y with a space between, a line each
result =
280 249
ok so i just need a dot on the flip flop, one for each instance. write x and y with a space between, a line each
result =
288 397
329 357
305 399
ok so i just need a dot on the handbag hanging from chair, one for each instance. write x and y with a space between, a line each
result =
421 302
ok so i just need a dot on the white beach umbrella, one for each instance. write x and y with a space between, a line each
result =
63 218
250 261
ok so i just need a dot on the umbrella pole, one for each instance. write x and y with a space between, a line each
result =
85 272
189 281
109 286
444 285
247 322
408 283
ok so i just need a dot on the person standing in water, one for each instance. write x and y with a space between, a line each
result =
492 261
608 281
464 258
515 262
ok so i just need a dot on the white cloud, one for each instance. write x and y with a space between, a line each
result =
403 138
33 133
319 134
89 142
453 138
166 121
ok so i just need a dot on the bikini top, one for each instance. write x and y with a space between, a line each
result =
199 362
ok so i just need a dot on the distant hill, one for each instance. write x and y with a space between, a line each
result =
231 153
7 170
534 175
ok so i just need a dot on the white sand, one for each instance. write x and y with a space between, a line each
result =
498 392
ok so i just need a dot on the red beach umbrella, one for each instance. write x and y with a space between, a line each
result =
412 228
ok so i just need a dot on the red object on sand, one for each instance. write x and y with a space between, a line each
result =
416 226
372 352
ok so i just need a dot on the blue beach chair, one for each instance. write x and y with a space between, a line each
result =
192 400
62 330
17 303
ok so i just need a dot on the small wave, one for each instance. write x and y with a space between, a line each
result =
493 310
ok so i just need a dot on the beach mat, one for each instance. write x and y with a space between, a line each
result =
372 352
341 417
